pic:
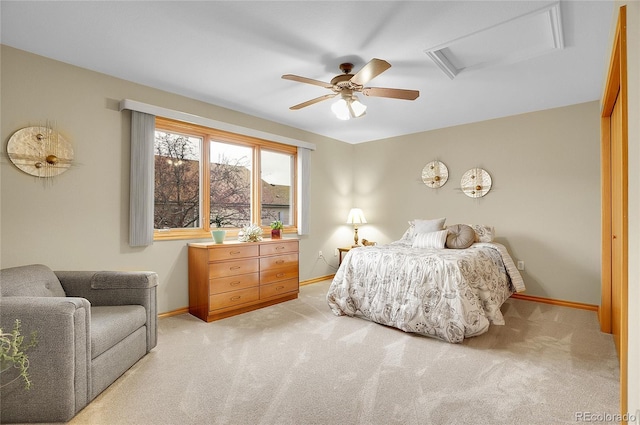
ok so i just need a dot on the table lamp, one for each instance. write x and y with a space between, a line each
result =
356 217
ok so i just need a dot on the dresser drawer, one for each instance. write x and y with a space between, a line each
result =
233 283
232 268
283 247
278 288
279 274
233 251
233 298
279 261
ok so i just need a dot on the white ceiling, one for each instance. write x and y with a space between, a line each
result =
233 53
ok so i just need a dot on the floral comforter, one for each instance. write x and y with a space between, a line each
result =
448 294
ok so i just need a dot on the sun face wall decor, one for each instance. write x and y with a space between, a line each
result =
435 174
40 151
475 183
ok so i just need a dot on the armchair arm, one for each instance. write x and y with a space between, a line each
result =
104 288
59 364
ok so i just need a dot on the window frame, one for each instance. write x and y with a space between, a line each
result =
211 134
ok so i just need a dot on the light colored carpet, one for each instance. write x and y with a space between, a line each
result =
297 363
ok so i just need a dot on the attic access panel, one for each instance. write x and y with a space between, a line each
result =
523 37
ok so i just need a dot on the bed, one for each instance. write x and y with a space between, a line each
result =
428 288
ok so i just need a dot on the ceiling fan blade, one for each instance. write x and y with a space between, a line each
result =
393 93
307 80
371 70
312 101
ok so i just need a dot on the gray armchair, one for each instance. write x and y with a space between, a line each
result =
91 327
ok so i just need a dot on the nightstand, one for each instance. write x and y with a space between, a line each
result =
343 250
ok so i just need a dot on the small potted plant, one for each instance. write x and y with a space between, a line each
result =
13 356
219 234
276 228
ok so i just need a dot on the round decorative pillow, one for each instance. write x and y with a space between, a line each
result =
460 236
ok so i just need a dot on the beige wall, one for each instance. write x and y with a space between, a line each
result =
544 203
79 220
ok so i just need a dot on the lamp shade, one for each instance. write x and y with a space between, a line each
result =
356 109
348 107
356 216
340 109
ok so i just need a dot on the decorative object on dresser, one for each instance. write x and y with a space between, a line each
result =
355 217
235 277
250 233
435 174
219 234
276 229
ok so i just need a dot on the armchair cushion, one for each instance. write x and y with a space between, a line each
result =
112 324
110 288
36 280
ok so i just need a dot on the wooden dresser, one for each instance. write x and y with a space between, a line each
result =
235 277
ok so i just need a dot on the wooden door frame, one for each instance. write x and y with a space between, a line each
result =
615 91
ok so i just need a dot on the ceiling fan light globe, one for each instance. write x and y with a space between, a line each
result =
340 109
358 109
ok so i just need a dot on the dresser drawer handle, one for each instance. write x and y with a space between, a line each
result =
280 247
279 261
234 268
236 298
279 288
236 283
280 274
234 252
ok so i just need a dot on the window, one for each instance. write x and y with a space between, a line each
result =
230 188
177 180
276 179
204 176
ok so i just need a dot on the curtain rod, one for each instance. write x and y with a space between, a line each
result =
134 105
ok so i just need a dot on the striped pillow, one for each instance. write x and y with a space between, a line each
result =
430 240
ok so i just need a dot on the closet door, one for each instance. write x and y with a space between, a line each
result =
613 308
618 224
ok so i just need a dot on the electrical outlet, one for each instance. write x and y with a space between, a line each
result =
319 254
520 265
335 252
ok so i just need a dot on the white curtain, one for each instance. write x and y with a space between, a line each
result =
304 173
141 179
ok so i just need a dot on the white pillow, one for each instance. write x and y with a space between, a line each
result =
427 226
430 240
409 233
483 233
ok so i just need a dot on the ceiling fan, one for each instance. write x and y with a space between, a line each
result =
347 84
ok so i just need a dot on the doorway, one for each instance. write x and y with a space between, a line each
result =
614 151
